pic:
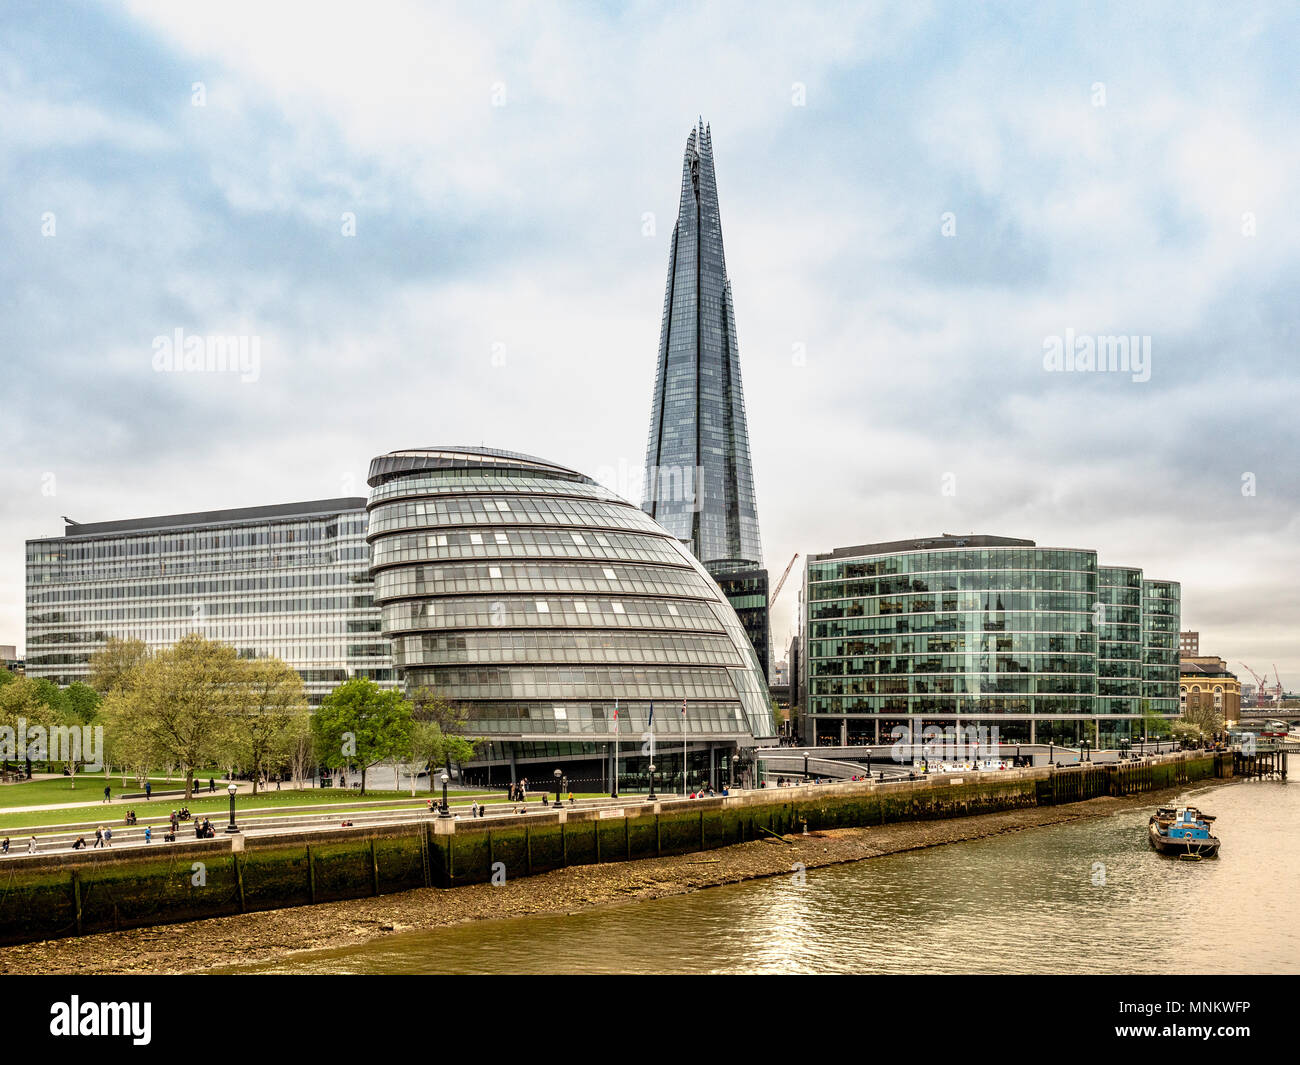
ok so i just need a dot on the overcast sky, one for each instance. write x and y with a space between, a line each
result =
915 200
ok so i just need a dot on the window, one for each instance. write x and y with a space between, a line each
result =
543 607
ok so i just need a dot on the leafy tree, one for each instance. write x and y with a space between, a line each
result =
360 723
270 713
82 702
26 700
178 704
6 677
112 666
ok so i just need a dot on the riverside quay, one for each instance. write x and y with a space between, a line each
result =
988 632
290 580
560 617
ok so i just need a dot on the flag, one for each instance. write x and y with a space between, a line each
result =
651 721
683 708
615 710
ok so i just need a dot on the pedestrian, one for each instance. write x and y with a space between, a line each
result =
212 785
31 845
108 792
198 829
99 837
148 790
108 836
173 820
148 834
4 847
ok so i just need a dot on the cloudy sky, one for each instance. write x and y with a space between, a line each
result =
450 224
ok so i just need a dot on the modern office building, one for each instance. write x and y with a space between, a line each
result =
1161 617
290 580
9 659
1189 644
560 617
981 631
699 482
1205 681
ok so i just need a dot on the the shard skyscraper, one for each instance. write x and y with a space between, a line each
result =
699 480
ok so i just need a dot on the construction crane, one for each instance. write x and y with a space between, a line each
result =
781 583
1263 690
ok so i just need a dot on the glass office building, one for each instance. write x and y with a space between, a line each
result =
290 580
540 602
977 631
1119 640
1161 620
699 482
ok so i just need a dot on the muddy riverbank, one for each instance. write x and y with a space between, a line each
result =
203 945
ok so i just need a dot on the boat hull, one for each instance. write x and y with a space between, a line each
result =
1177 847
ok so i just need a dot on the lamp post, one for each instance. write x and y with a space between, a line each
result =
651 796
232 827
445 809
805 767
735 760
558 775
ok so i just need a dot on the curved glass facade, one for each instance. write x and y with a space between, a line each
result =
534 598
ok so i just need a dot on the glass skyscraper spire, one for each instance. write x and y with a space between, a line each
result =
699 482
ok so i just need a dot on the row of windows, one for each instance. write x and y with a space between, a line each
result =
523 543
633 725
968 602
394 517
972 705
971 559
593 682
272 558
406 615
971 663
973 581
559 646
323 577
955 643
1047 684
496 483
198 611
1017 622
538 577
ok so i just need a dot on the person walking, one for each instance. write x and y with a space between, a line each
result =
148 790
99 837
212 786
148 834
31 845
108 793
4 847
108 836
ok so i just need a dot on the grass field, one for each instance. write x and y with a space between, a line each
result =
88 786
216 806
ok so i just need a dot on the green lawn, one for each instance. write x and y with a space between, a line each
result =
88 786
218 806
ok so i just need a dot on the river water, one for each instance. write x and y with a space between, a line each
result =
1086 897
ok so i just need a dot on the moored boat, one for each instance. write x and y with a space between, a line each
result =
1182 831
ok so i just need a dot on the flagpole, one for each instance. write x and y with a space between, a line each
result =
683 748
614 792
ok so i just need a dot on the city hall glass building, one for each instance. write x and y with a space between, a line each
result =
540 602
290 580
699 481
984 631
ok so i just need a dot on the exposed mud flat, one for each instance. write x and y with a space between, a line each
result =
256 937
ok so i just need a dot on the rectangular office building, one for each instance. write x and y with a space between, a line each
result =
985 631
290 580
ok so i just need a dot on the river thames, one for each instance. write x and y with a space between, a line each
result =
1085 897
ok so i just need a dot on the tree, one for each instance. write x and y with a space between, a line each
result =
82 702
1200 720
270 713
178 704
360 723
25 702
112 666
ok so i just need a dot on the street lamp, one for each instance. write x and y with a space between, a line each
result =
805 767
232 827
445 809
558 775
735 760
651 796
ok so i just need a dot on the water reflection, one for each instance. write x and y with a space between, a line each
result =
1077 898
